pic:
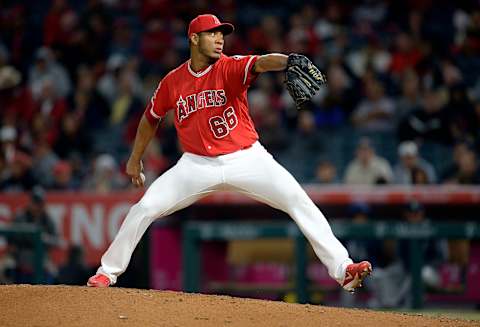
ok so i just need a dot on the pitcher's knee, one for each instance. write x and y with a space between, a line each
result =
297 199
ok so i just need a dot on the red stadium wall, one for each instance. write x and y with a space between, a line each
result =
90 220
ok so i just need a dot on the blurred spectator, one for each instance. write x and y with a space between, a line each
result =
410 97
261 100
48 71
265 103
300 38
371 12
475 91
307 139
105 176
8 139
476 136
326 173
273 133
155 40
125 114
91 107
450 75
178 28
267 37
338 103
50 110
374 114
18 176
3 55
462 119
62 177
306 143
35 214
79 164
72 137
373 56
459 149
44 161
367 168
15 99
330 23
411 167
427 123
59 24
155 8
96 21
419 176
123 42
406 54
109 84
4 172
466 171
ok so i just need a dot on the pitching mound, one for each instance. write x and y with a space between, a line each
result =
26 305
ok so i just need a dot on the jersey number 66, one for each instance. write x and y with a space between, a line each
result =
222 125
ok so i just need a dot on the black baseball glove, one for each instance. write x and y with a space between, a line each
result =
302 78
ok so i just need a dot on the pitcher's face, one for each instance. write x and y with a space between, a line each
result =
211 43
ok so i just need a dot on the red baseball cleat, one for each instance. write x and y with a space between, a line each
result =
99 280
355 274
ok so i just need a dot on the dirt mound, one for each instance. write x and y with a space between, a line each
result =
26 305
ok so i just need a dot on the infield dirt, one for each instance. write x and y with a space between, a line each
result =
27 305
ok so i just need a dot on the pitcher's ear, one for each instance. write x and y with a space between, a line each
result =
194 38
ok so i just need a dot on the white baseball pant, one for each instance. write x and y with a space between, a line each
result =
253 172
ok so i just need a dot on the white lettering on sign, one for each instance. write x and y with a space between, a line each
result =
92 226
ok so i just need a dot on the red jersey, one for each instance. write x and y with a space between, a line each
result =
211 108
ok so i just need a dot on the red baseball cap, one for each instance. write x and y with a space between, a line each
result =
207 22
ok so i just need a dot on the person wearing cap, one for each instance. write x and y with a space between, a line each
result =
208 94
411 165
46 68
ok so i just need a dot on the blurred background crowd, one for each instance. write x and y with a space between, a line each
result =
402 104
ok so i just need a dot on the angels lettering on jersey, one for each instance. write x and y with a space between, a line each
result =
202 100
210 106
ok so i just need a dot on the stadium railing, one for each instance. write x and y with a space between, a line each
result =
197 231
33 235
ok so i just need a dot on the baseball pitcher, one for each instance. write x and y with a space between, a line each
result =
208 94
